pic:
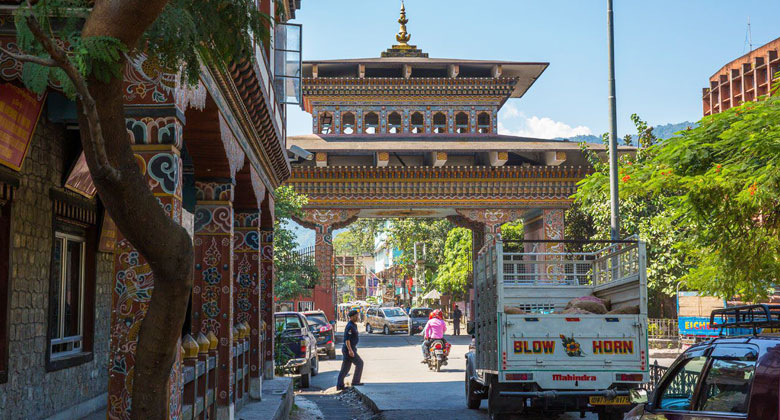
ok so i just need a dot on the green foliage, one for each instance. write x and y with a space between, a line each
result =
98 56
358 238
402 234
513 231
294 275
721 182
641 213
454 274
282 352
187 33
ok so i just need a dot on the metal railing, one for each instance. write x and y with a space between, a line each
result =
656 372
662 329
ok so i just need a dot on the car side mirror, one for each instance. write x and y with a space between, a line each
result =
470 327
639 396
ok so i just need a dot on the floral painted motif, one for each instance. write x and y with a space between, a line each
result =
571 346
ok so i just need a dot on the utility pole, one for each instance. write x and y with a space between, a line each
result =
614 228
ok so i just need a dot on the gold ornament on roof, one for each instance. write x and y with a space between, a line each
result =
403 37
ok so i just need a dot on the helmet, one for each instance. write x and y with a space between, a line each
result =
438 314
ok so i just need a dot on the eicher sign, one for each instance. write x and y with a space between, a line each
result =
19 112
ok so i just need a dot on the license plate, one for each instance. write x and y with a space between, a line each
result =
619 400
438 352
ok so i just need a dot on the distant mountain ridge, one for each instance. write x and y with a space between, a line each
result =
663 132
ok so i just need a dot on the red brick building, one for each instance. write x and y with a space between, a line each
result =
745 79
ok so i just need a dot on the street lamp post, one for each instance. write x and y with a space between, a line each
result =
614 228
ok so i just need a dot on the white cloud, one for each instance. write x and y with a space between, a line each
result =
510 111
536 127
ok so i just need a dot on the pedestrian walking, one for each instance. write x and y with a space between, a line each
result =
456 315
349 351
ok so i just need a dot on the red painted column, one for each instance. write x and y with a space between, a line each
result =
212 293
548 224
323 257
267 282
158 155
246 301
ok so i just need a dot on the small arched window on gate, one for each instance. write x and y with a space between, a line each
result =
394 124
439 122
483 122
461 122
347 123
326 122
417 123
371 123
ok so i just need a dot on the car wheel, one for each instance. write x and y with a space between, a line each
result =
472 401
316 365
306 377
386 330
494 411
368 328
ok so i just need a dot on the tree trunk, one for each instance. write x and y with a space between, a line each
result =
160 240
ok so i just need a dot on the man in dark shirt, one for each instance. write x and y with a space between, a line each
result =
349 351
456 315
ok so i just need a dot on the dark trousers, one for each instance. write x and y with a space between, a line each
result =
456 327
346 363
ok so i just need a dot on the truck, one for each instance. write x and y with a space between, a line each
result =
530 357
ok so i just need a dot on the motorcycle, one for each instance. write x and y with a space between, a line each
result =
438 353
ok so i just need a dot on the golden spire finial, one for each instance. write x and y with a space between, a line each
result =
403 37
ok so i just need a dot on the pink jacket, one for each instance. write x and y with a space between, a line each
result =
435 328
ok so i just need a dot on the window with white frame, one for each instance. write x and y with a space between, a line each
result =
68 270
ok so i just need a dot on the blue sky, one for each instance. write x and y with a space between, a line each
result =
666 50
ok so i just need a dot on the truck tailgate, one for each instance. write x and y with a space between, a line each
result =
573 351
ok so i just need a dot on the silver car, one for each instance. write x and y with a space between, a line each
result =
387 320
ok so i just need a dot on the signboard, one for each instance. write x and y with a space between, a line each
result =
700 327
19 112
79 179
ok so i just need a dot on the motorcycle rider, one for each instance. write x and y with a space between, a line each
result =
434 330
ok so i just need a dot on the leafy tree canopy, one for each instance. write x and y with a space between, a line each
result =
642 213
453 274
721 182
295 273
358 238
186 33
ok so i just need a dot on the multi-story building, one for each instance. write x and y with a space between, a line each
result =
74 291
744 79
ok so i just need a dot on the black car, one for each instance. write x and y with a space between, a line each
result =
297 337
419 317
324 331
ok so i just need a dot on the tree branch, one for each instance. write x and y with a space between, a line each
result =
27 58
60 59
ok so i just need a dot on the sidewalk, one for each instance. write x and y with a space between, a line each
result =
277 402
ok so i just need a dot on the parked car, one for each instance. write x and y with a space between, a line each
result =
297 337
387 320
324 331
724 378
418 318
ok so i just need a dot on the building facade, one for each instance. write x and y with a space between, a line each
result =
74 291
744 79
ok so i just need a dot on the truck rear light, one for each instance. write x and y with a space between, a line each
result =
629 377
572 320
520 376
303 347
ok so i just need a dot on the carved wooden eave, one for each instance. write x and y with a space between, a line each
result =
246 106
428 187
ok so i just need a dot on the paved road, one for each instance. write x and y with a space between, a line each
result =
402 387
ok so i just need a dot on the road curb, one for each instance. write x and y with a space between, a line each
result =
367 401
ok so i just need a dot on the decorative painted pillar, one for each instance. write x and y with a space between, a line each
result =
267 276
491 219
246 301
324 222
546 225
157 144
212 293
